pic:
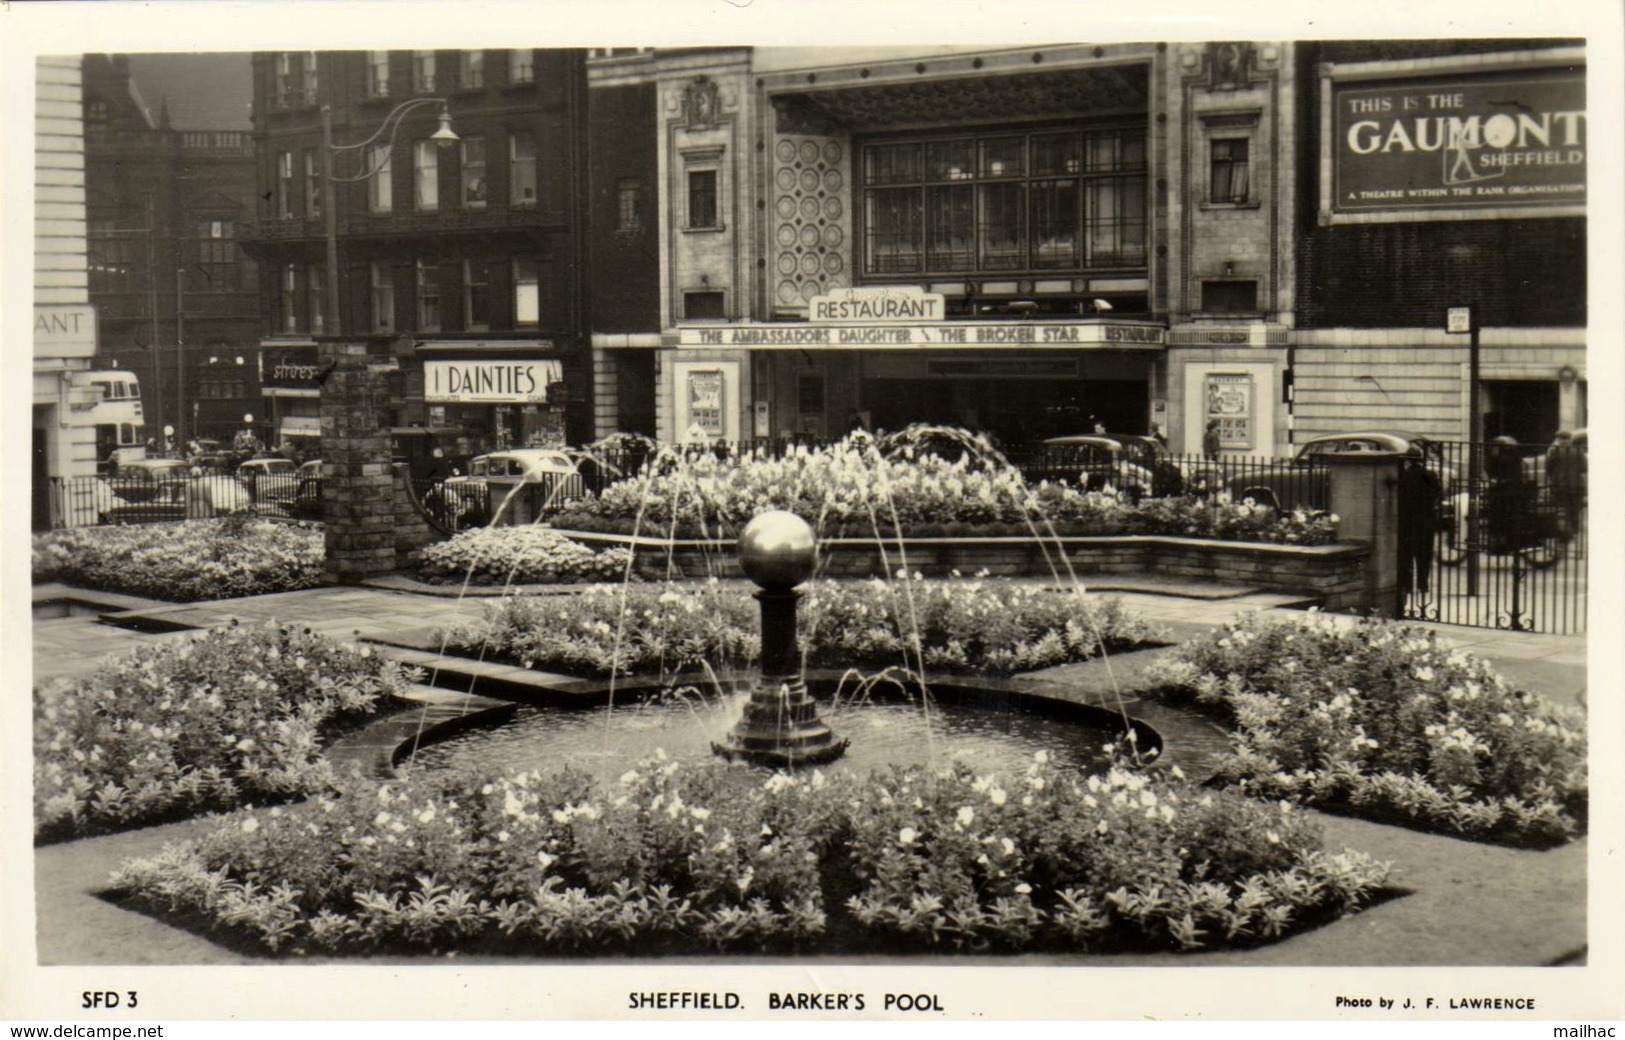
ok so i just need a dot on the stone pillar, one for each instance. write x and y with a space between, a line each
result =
358 492
1365 497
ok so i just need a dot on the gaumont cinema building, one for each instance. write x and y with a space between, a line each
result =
1030 241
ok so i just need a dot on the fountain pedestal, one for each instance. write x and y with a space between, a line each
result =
780 726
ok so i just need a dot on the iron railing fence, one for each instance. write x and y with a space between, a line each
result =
185 494
1508 543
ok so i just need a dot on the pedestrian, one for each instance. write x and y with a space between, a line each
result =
1210 439
1507 499
1420 495
1566 478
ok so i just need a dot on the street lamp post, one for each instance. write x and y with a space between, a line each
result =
444 137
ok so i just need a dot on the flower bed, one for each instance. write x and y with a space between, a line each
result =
683 859
520 555
1381 720
851 490
184 561
236 714
984 626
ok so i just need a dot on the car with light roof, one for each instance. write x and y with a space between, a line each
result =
1138 466
473 497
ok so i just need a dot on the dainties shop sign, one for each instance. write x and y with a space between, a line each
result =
489 382
1460 142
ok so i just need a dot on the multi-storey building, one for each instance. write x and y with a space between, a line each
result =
176 299
1033 241
465 253
64 321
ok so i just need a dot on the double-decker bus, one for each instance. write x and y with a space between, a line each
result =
121 432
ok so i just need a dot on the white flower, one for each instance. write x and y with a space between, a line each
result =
1023 889
250 825
906 836
966 815
997 796
1041 757
427 815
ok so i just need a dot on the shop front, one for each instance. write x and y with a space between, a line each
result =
1019 382
291 384
480 404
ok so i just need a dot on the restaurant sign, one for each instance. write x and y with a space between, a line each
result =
878 303
1456 143
489 382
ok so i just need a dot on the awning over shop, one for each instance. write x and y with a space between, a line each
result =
300 426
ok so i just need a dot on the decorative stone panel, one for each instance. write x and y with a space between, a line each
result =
811 240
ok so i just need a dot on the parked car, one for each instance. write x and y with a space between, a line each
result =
1295 485
306 503
186 498
1137 466
214 462
270 478
469 499
138 481
1287 487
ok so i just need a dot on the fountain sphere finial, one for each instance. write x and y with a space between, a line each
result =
777 550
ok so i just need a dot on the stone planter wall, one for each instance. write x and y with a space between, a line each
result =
1336 574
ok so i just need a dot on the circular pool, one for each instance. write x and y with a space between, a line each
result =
989 727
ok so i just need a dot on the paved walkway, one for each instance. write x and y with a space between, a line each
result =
1539 897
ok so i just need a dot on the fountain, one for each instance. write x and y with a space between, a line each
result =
767 716
780 726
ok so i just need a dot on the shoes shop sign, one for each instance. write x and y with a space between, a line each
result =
1436 146
505 381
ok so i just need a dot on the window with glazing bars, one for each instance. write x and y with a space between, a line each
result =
381 185
313 184
473 172
382 284
288 299
527 294
428 294
216 257
471 69
702 198
522 169
316 294
422 72
284 184
310 77
476 296
426 176
284 79
1229 180
521 66
1002 203
377 74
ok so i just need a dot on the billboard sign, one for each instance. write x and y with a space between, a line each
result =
1458 144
